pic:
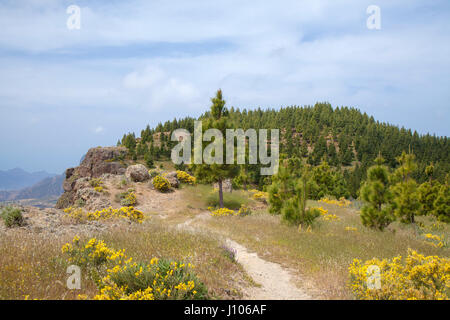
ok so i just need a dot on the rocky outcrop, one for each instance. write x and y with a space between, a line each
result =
137 173
97 162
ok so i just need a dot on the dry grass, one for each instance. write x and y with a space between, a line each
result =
32 266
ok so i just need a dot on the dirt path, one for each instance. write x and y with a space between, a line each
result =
275 282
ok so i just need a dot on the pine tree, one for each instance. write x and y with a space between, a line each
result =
376 213
442 203
218 119
294 209
428 192
405 201
281 189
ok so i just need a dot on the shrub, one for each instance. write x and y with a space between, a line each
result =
12 216
185 177
417 277
259 196
229 252
154 172
117 277
107 213
99 189
222 212
325 215
161 184
127 198
342 202
80 203
96 182
244 211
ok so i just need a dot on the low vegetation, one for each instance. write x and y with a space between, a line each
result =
11 216
31 267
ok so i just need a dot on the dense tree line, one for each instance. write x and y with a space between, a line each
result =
345 138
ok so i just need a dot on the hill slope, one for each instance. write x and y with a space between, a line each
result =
17 178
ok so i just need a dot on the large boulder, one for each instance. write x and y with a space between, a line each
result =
137 173
173 180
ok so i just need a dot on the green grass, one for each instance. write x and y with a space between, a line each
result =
204 196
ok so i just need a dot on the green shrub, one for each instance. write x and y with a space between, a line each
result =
96 182
162 276
12 216
244 211
154 172
127 198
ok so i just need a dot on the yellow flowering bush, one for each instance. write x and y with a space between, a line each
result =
259 195
327 216
185 177
91 254
244 211
415 277
342 202
96 182
434 240
127 198
161 184
107 213
222 212
118 277
99 189
351 229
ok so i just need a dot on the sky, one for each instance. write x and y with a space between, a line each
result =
133 63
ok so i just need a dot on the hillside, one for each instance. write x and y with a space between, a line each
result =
45 189
17 178
346 138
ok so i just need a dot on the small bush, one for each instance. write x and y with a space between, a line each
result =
96 182
222 212
12 216
107 213
229 252
118 278
154 172
185 177
161 184
99 189
127 198
80 203
244 211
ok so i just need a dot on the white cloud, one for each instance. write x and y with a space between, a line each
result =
99 130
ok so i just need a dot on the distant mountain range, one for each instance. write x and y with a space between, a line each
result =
17 178
47 188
